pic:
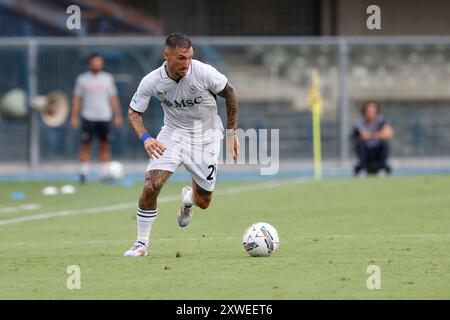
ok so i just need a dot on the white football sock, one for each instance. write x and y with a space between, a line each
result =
84 170
145 219
189 198
104 169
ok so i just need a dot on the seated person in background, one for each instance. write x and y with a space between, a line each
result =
370 140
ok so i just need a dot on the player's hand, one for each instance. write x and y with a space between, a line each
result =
232 144
75 122
236 147
118 120
365 135
154 148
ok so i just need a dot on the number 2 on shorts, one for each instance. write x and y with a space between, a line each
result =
210 176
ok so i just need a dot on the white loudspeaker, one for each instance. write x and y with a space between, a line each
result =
54 108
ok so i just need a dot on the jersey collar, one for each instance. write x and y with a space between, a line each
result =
95 74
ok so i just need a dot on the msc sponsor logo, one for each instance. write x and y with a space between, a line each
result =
183 103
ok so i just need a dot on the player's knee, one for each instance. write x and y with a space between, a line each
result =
152 188
104 144
86 146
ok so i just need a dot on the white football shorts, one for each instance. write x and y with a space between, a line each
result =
200 160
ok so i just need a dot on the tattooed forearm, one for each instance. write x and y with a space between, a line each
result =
135 120
231 100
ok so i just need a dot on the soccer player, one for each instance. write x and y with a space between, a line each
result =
191 133
95 94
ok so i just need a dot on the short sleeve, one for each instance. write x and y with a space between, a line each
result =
112 89
78 90
141 98
214 80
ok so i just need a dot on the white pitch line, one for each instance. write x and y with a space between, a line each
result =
68 242
23 207
65 213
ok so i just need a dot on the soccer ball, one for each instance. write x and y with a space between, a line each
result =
260 239
115 170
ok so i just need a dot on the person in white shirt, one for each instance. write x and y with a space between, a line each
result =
191 134
95 97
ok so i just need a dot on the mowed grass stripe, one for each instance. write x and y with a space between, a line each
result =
428 237
128 205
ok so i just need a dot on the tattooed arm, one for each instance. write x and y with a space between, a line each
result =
153 147
231 100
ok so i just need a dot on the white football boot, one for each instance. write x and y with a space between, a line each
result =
186 211
138 249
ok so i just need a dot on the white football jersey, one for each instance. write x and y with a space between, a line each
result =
189 105
95 89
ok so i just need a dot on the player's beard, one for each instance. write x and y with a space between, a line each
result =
96 70
181 73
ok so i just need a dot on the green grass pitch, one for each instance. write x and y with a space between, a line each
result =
330 232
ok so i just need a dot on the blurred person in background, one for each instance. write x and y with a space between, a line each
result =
371 135
95 104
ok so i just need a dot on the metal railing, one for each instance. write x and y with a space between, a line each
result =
272 78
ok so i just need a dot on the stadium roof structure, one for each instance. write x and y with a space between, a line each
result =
98 17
